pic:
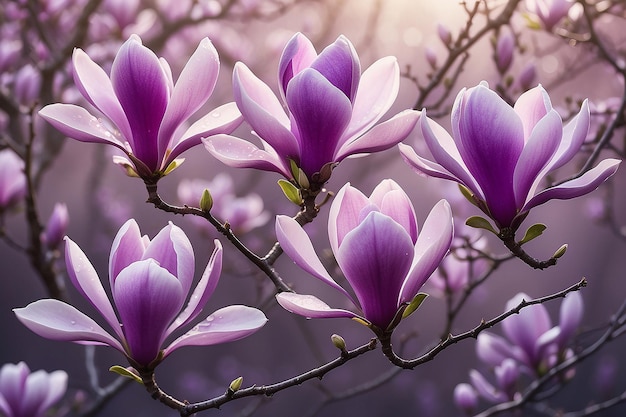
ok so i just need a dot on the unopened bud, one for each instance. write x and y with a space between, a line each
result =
206 201
560 251
339 342
235 385
444 34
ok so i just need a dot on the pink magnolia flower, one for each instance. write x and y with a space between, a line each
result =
145 109
26 394
150 281
12 179
331 109
549 12
501 154
378 248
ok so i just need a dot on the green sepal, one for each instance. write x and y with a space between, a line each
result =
414 304
206 201
291 192
235 385
533 231
298 175
120 370
531 23
480 223
560 251
468 194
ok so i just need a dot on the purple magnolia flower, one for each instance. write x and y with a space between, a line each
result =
531 340
12 179
504 51
146 110
150 281
26 394
331 108
501 154
549 12
378 248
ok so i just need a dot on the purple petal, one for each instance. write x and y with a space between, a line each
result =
432 245
322 113
539 149
192 90
344 214
298 54
223 119
340 65
531 107
262 110
525 328
128 247
53 319
375 258
393 202
571 314
297 245
491 139
238 153
485 389
225 325
574 134
94 84
492 349
203 291
381 137
444 150
77 123
576 187
34 395
173 251
12 385
85 278
310 306
147 297
57 385
377 91
142 89
423 166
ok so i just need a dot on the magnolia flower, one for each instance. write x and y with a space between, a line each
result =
331 108
549 12
504 51
150 281
26 394
501 154
376 243
146 110
12 179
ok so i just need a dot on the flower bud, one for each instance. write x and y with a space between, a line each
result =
560 251
235 385
444 34
527 76
431 57
504 51
206 201
465 398
339 342
56 226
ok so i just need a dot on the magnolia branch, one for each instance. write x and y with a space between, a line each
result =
473 333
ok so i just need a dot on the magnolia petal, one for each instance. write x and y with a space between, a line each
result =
94 84
85 278
128 247
56 320
582 185
13 378
340 65
141 86
172 250
493 349
223 119
485 389
147 297
377 91
432 245
238 153
77 123
525 328
321 113
375 257
203 291
193 88
382 136
531 107
297 55
444 149
393 202
34 394
344 214
574 134
225 325
571 314
423 166
262 110
490 140
310 306
57 385
297 245
540 146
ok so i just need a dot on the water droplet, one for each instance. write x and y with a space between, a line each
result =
73 322
216 114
